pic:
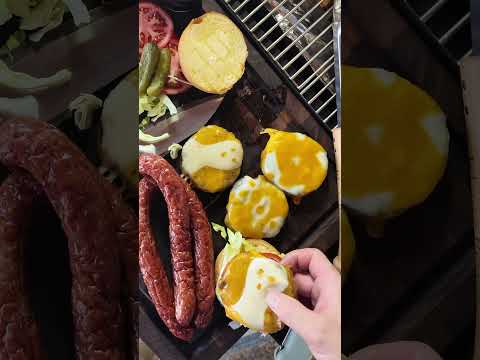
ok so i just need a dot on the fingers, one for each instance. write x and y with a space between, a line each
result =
291 312
325 286
304 284
311 261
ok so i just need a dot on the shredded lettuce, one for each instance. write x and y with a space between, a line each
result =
38 16
235 241
174 149
79 11
149 139
155 107
43 15
220 229
21 83
169 104
147 149
20 8
56 19
21 106
84 107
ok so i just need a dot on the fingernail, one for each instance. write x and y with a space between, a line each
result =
273 298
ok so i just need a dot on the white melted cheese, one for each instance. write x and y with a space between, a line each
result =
387 78
434 126
261 209
323 159
224 155
373 204
243 190
272 228
262 274
271 166
244 187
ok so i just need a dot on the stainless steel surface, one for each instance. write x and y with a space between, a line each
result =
299 36
185 123
450 28
92 54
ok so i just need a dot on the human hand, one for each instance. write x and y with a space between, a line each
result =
317 280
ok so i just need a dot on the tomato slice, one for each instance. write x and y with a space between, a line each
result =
155 25
174 87
274 257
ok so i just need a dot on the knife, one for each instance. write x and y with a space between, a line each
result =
96 54
186 122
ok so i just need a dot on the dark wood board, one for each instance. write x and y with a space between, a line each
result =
390 274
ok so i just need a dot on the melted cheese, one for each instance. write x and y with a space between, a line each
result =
396 146
256 208
225 155
294 162
212 158
262 274
251 308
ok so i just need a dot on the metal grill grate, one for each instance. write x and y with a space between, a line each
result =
296 37
448 22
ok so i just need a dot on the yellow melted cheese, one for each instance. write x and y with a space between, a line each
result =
256 208
212 158
243 288
294 162
395 142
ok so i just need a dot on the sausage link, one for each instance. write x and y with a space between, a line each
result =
151 266
19 338
126 225
73 187
173 190
204 261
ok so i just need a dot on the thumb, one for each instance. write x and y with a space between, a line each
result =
291 312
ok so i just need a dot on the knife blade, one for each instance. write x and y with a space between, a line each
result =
96 54
186 122
475 24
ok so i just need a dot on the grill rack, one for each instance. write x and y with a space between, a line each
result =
448 24
296 37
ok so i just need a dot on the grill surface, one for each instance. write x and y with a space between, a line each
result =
296 37
448 22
